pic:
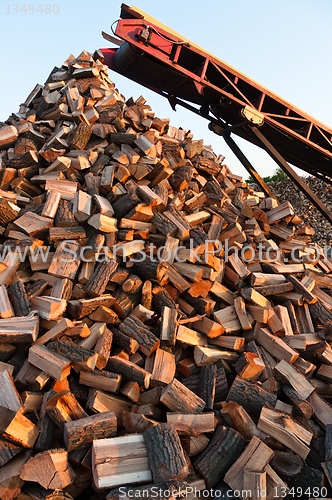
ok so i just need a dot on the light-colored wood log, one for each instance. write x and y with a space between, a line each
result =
192 424
120 460
49 362
287 431
298 381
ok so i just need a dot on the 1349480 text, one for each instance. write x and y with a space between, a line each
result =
299 492
29 9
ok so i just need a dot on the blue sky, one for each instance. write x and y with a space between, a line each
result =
285 45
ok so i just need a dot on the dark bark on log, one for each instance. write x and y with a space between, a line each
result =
320 312
303 407
7 451
6 352
162 298
46 426
198 235
150 270
64 216
207 385
125 204
268 290
118 138
73 352
177 397
81 137
223 450
192 382
162 192
36 288
91 184
83 307
166 456
235 416
18 298
181 177
287 465
152 396
125 302
328 443
202 306
164 225
123 342
100 163
326 332
28 172
30 378
221 384
134 328
80 433
58 234
99 278
251 396
308 478
23 160
292 316
129 370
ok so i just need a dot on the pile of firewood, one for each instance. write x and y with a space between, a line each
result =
286 190
164 328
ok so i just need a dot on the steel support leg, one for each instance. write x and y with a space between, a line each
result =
247 165
293 175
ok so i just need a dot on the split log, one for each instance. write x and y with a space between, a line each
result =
83 307
302 406
284 429
96 285
23 329
80 433
235 416
180 399
207 385
254 458
80 357
135 329
18 298
299 383
251 396
56 365
129 463
223 450
192 424
17 428
50 469
166 456
129 370
104 380
63 407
